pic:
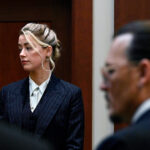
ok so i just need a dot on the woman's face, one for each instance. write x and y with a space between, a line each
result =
31 60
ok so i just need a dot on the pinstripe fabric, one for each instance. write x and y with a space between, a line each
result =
60 112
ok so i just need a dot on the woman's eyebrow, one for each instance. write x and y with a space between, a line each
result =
23 44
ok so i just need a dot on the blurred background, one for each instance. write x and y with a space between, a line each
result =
85 28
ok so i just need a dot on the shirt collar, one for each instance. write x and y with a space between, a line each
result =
145 106
42 87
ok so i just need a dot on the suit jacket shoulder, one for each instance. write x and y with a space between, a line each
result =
15 86
133 137
68 87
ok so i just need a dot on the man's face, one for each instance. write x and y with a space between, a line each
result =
120 79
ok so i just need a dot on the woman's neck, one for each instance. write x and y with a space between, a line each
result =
39 77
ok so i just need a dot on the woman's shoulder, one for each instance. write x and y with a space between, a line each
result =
16 84
72 91
67 85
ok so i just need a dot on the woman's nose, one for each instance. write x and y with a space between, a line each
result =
22 52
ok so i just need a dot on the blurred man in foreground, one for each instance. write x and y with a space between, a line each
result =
126 83
11 138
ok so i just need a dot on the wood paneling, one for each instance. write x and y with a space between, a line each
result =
54 11
72 21
82 59
10 66
130 10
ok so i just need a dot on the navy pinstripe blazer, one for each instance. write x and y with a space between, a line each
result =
134 137
61 117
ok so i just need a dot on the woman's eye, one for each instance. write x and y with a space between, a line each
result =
28 48
20 49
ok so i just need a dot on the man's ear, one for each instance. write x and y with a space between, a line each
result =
144 68
49 51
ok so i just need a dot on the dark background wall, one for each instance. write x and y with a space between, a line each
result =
72 21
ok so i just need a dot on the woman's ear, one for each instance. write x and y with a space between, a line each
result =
144 68
49 51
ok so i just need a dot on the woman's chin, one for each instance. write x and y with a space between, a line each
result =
27 69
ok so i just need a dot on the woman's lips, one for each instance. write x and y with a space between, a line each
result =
24 61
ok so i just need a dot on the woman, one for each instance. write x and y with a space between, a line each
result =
43 104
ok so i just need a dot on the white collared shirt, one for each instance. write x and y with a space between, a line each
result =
145 106
32 88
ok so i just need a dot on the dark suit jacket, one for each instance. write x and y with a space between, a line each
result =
13 139
134 137
61 117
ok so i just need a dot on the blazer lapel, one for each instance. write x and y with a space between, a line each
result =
51 100
16 101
